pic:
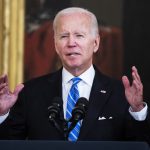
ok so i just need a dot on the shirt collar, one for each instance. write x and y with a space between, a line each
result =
86 77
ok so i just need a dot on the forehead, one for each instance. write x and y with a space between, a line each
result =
72 21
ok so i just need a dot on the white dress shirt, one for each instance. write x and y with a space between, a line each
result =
2 118
84 85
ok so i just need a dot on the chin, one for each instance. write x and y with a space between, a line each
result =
73 66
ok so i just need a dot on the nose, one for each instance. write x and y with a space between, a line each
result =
71 41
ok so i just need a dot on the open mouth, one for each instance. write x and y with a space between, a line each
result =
73 54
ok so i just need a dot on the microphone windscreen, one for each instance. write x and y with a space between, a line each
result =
58 101
55 108
82 101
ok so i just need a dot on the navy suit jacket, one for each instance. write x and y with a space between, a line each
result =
107 117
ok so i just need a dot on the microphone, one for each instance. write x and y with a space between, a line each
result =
55 108
79 112
54 112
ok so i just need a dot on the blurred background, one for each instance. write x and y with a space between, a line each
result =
26 38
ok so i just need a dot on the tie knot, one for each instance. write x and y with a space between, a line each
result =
76 80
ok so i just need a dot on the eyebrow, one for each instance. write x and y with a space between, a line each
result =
75 33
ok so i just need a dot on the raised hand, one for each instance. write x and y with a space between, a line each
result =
134 91
7 98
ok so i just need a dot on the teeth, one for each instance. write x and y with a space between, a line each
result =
73 54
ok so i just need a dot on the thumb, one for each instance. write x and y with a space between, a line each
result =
18 89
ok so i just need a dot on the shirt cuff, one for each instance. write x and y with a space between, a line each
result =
140 115
3 118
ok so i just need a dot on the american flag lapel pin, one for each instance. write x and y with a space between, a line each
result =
103 91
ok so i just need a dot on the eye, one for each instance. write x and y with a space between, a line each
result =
63 36
80 35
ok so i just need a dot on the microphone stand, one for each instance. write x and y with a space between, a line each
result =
55 123
65 129
62 129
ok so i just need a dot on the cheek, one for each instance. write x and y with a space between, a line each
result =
89 50
58 47
60 44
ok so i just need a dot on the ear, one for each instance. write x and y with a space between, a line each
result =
55 43
96 43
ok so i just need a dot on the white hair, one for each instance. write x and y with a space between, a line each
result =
72 10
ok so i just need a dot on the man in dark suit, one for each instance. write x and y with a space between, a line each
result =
116 111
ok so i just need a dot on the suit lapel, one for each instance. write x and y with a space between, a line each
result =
53 88
99 95
55 84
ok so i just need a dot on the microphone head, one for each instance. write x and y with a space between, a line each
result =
57 101
83 102
55 108
80 109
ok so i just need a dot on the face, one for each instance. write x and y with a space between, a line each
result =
75 42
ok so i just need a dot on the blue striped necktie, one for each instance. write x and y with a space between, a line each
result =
73 96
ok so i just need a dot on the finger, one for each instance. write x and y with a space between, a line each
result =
5 91
126 82
138 81
18 89
3 86
1 92
136 78
135 72
137 86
